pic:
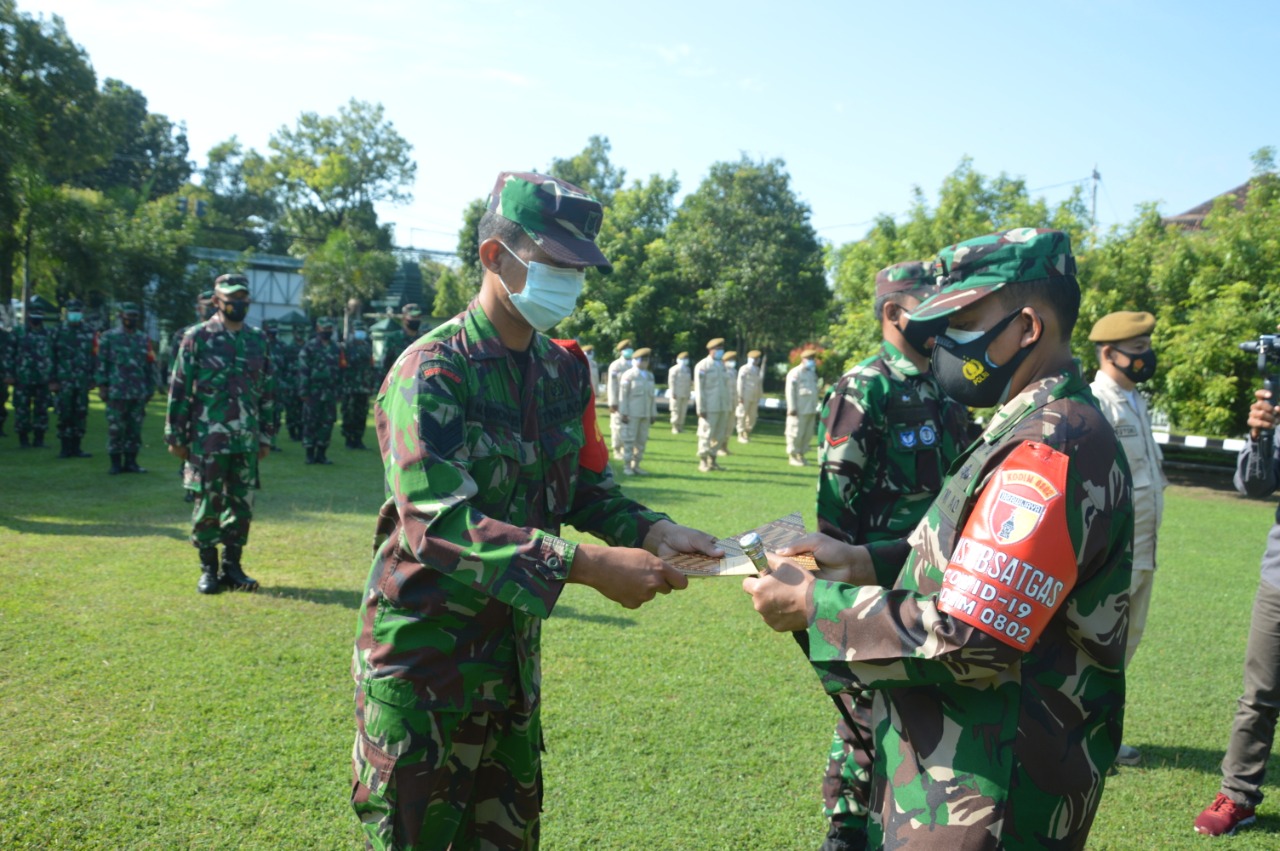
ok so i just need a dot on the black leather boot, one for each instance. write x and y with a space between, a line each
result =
24 440
322 455
232 576
131 463
311 455
208 583
38 443
65 451
116 469
77 451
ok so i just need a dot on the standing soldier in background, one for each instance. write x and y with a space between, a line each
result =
218 420
802 406
619 366
287 397
281 375
399 339
590 351
358 381
750 386
204 310
679 386
73 359
711 389
886 438
1125 360
127 376
320 366
6 365
637 407
34 380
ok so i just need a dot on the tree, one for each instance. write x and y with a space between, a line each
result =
744 244
329 172
591 170
340 270
149 159
239 215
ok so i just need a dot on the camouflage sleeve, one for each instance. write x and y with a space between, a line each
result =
103 349
267 404
177 417
845 432
431 488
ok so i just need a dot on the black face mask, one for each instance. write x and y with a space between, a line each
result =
918 333
966 374
206 313
325 335
1141 366
413 324
235 311
129 322
36 324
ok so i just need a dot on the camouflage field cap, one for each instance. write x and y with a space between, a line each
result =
977 267
34 310
643 353
560 218
411 311
325 322
128 307
716 343
205 296
231 284
912 277
74 303
1122 325
271 325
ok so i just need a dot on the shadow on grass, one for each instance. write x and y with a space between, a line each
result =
1200 760
96 530
347 598
571 613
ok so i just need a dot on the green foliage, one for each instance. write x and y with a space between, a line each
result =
591 170
339 270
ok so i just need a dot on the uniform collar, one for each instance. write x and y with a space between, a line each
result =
1034 396
483 341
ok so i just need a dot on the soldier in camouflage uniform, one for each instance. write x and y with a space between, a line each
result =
357 384
994 636
399 339
205 310
219 420
33 377
287 399
489 445
320 367
280 372
886 437
127 376
73 346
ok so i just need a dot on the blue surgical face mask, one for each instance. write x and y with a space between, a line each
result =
361 335
550 292
731 363
682 361
75 317
627 353
810 364
718 354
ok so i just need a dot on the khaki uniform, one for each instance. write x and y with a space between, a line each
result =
679 385
750 389
638 408
711 383
802 409
1128 415
616 369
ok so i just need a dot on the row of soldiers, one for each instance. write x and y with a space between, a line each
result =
718 387
59 368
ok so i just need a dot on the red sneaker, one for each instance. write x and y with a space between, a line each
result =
1223 816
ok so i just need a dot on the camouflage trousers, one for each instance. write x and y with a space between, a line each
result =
355 415
846 788
277 416
4 398
447 780
124 425
73 411
293 413
31 406
223 485
317 421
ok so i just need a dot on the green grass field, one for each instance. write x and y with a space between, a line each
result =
135 713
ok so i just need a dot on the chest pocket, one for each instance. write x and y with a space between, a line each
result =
495 461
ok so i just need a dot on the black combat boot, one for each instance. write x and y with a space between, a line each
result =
115 465
3 433
131 463
189 496
24 440
322 455
232 576
208 583
65 451
77 451
38 443
311 455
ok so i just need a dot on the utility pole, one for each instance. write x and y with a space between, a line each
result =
1093 214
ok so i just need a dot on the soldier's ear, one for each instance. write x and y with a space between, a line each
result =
491 255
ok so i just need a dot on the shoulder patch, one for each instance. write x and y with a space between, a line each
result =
443 368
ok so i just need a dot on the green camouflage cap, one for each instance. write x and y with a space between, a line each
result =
34 310
977 267
913 277
230 284
270 325
325 322
206 295
561 218
127 307
411 310
74 303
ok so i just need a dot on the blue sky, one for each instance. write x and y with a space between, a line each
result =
862 100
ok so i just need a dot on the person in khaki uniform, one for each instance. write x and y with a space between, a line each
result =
1125 360
750 389
731 372
802 407
638 408
679 385
711 387
592 367
619 366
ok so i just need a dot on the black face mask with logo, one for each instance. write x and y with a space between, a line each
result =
235 311
966 373
1141 365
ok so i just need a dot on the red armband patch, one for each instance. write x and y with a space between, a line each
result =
594 454
1014 564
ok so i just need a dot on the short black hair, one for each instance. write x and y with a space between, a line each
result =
493 226
1060 294
881 300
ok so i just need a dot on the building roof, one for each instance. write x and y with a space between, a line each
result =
1193 219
